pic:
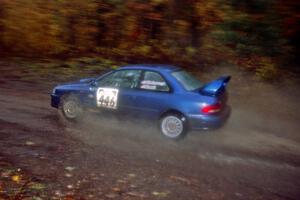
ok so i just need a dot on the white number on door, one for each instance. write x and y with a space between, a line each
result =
107 97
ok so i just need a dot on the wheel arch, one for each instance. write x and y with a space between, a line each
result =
174 111
170 111
68 94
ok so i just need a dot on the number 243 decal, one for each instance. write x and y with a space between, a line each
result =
107 97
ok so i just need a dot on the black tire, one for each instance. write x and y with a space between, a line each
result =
71 108
173 126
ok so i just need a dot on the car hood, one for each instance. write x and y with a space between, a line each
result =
76 84
83 81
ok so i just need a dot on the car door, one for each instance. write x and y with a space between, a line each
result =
116 92
153 96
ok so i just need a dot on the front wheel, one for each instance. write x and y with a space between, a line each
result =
173 126
71 108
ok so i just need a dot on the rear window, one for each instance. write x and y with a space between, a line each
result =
188 81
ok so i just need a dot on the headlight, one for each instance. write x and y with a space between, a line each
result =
53 91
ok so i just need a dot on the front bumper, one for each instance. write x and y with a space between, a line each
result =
55 100
209 121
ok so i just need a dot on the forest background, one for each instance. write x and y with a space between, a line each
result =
261 36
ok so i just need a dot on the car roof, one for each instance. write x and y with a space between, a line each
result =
155 67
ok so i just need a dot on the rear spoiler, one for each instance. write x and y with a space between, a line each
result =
216 86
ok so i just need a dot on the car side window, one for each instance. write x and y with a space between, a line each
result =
154 81
121 79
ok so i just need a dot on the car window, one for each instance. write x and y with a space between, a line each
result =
154 81
121 79
188 81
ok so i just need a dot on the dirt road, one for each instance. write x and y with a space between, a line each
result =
255 156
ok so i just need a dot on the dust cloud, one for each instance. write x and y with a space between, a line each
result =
264 123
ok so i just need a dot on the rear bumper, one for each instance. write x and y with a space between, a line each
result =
209 121
55 100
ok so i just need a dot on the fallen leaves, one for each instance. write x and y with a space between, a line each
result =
116 189
68 175
6 173
69 198
70 186
29 143
121 181
16 178
58 193
181 179
34 198
131 175
36 186
160 194
128 186
111 195
69 168
136 194
16 184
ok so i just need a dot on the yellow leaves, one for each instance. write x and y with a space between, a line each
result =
42 27
29 27
16 178
16 184
159 30
114 67
210 12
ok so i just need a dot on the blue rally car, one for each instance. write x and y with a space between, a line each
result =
162 93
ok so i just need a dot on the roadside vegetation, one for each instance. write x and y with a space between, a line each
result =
260 36
55 70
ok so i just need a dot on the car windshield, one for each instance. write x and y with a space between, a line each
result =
188 81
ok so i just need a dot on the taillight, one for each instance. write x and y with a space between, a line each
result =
210 109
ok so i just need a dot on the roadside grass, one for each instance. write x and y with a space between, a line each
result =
53 70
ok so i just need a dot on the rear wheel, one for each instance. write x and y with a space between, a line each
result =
71 108
173 126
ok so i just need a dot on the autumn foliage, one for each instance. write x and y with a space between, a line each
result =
248 33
